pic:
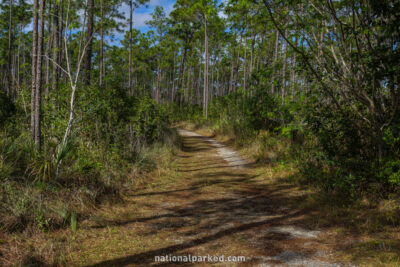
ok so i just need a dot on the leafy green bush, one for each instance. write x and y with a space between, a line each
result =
390 172
148 120
245 113
111 133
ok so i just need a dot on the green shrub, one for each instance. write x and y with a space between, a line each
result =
390 172
148 120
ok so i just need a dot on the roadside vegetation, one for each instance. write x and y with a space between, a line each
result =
115 147
355 198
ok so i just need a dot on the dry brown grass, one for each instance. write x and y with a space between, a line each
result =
40 237
193 204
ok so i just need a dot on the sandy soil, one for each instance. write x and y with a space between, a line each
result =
218 205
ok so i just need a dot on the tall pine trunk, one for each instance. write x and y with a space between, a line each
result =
275 63
173 80
232 70
198 87
158 85
211 91
260 46
101 65
283 92
34 69
245 65
293 72
38 94
130 47
89 37
253 42
180 75
10 45
236 74
205 91
47 52
56 45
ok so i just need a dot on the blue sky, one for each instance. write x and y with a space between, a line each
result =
140 16
143 13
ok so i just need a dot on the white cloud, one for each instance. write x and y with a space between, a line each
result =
139 19
222 14
143 14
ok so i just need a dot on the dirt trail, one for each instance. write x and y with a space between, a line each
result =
217 206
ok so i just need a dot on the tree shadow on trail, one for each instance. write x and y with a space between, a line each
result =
148 257
203 221
249 209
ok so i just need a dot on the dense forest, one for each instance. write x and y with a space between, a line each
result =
89 105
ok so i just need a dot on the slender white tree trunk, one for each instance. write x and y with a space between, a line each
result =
205 91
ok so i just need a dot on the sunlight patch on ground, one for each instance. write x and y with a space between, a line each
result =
230 156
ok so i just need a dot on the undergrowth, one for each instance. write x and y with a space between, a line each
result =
117 145
283 135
